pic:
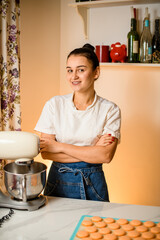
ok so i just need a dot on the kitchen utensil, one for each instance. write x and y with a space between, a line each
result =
25 182
24 179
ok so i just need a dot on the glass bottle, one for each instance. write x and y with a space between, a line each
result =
146 41
133 42
156 43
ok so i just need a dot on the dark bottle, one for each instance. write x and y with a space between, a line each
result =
156 43
133 42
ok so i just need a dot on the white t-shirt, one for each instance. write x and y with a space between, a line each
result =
72 126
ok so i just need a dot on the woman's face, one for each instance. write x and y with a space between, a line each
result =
80 73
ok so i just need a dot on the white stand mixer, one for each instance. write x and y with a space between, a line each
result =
24 179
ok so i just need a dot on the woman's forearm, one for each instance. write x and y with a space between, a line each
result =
91 154
102 152
59 157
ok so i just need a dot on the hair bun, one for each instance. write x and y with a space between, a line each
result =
89 46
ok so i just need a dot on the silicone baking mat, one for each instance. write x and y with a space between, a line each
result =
155 234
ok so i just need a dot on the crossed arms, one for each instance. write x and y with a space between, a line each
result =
102 150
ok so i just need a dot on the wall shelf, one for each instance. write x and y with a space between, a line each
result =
109 3
82 7
148 65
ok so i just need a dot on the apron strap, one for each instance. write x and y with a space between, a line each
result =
83 178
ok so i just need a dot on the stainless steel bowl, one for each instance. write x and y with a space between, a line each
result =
25 182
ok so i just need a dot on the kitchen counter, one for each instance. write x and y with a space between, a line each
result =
59 217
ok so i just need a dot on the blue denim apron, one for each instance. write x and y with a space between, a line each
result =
77 180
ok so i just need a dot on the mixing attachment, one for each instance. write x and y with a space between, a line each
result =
24 179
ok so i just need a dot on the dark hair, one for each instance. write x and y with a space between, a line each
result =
87 51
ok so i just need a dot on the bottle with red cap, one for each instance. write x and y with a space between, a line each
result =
133 40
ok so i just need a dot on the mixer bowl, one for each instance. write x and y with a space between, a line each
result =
25 182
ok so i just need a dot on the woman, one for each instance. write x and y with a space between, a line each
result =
79 132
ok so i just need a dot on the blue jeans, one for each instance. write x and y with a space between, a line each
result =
77 180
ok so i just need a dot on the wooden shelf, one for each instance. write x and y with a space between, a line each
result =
108 3
83 7
155 65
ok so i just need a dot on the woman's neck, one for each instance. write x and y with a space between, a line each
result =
83 100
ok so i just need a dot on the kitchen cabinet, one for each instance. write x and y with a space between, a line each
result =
82 9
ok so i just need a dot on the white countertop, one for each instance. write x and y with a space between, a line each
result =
59 217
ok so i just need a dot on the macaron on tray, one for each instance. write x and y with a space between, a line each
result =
106 228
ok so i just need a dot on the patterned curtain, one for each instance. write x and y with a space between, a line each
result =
10 115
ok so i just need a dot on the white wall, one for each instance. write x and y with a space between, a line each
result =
112 24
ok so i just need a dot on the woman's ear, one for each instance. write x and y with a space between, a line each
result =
97 73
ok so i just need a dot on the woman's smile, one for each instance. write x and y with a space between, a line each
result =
76 82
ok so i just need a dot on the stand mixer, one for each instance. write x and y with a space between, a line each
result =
24 179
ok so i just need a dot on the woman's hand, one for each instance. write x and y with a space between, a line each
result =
48 144
103 140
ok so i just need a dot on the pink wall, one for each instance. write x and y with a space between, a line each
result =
40 47
133 175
